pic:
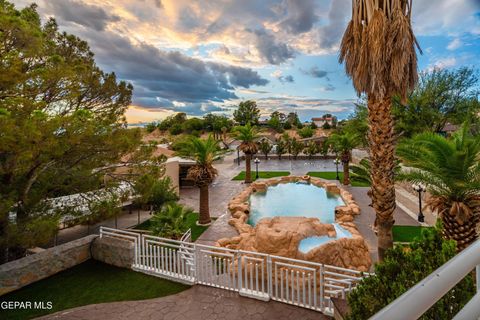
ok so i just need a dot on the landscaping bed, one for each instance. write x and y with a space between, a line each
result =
88 283
261 175
332 175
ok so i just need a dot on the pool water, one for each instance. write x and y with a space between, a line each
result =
309 243
294 200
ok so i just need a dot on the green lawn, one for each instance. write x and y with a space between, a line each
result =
262 175
88 283
406 233
327 175
192 222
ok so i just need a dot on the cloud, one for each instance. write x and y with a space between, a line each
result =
454 44
315 72
301 16
270 49
90 16
443 63
278 74
327 88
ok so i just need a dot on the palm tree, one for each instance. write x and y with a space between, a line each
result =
311 149
450 169
280 148
361 171
378 49
204 152
171 221
296 147
344 144
247 135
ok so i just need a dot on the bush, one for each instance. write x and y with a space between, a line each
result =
306 132
402 268
176 129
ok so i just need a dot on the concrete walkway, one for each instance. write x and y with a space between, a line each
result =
197 303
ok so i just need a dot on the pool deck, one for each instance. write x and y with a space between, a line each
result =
223 189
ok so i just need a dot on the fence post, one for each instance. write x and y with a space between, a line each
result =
239 265
269 275
322 302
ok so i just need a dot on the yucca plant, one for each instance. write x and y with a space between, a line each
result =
171 221
344 144
204 152
247 135
450 169
378 49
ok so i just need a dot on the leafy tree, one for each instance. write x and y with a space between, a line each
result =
311 149
306 132
296 147
61 119
313 125
204 152
293 119
357 122
175 129
154 192
441 96
247 135
280 149
265 147
450 169
344 144
326 126
150 127
247 112
215 123
171 221
275 122
402 268
193 124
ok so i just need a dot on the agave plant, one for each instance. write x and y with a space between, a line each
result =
450 169
247 135
378 49
204 152
171 221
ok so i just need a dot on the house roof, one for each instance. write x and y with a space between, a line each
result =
322 119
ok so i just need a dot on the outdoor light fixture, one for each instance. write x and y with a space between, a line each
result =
420 188
238 155
257 161
337 162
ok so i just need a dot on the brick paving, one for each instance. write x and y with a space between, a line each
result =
197 303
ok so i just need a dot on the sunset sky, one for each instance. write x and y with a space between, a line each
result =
207 55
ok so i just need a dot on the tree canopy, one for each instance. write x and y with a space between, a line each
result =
247 112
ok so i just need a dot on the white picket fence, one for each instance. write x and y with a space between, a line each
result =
252 274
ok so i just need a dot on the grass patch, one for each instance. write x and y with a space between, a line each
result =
88 283
192 224
406 233
261 175
329 175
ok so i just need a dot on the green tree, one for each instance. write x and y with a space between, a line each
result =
154 192
296 147
306 132
62 119
204 152
280 149
450 169
357 122
401 269
265 147
247 135
311 149
441 96
171 221
344 144
215 123
293 120
275 122
247 112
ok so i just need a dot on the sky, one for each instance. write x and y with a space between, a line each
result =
202 56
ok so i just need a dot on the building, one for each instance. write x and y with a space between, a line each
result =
320 122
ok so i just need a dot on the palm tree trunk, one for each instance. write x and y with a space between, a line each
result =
248 174
346 173
382 151
204 205
464 234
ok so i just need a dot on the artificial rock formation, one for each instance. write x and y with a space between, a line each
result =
281 235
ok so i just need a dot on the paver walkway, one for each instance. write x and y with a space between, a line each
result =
197 303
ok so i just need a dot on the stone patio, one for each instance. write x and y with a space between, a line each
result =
197 303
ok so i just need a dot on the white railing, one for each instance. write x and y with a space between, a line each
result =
252 274
416 301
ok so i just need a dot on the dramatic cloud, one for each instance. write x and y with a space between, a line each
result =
90 16
315 72
271 50
301 16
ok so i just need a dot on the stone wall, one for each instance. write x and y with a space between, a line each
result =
114 251
21 272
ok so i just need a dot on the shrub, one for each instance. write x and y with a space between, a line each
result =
402 268
306 132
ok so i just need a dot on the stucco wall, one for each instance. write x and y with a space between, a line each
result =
21 272
172 170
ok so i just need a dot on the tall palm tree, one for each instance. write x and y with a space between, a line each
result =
378 49
247 135
450 169
344 144
204 152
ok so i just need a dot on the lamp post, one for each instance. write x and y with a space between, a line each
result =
257 161
238 155
337 162
420 188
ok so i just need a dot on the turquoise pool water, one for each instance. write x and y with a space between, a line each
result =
309 243
294 200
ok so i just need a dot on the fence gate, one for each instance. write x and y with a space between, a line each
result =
256 275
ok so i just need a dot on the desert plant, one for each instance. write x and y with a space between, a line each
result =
171 221
247 135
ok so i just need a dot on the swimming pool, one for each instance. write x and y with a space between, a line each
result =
294 200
